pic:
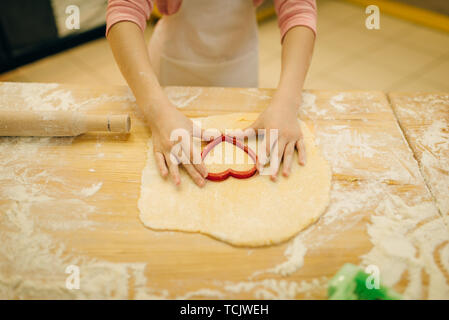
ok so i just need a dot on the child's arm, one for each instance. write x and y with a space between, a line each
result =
131 54
282 113
297 49
297 22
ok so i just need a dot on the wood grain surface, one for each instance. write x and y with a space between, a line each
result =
356 130
424 117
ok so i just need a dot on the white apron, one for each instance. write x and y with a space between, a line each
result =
207 43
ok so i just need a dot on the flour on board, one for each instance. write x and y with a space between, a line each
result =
90 191
407 238
181 97
340 145
434 142
421 244
50 97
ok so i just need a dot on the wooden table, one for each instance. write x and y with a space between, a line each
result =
81 195
424 117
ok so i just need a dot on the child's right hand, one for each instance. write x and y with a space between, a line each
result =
162 124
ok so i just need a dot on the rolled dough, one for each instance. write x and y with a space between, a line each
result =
251 212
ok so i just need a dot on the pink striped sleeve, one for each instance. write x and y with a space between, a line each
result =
292 13
137 11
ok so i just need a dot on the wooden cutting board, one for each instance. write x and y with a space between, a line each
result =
424 117
81 196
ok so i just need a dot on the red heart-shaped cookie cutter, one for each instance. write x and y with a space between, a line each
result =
220 176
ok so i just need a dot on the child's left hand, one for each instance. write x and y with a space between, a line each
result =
281 114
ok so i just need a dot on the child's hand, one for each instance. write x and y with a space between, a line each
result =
162 126
281 114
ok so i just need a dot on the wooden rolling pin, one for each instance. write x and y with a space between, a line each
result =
59 123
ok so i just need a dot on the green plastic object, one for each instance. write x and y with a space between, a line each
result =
350 283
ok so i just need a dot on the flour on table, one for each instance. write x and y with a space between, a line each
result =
270 289
90 191
351 150
425 120
309 107
436 102
181 97
27 250
434 143
255 92
344 148
32 263
295 253
49 97
407 238
336 102
210 293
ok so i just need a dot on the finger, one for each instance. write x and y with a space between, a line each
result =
301 152
200 166
193 155
268 142
262 157
276 158
173 168
194 174
288 158
160 161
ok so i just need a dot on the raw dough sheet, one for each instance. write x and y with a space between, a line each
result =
250 212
